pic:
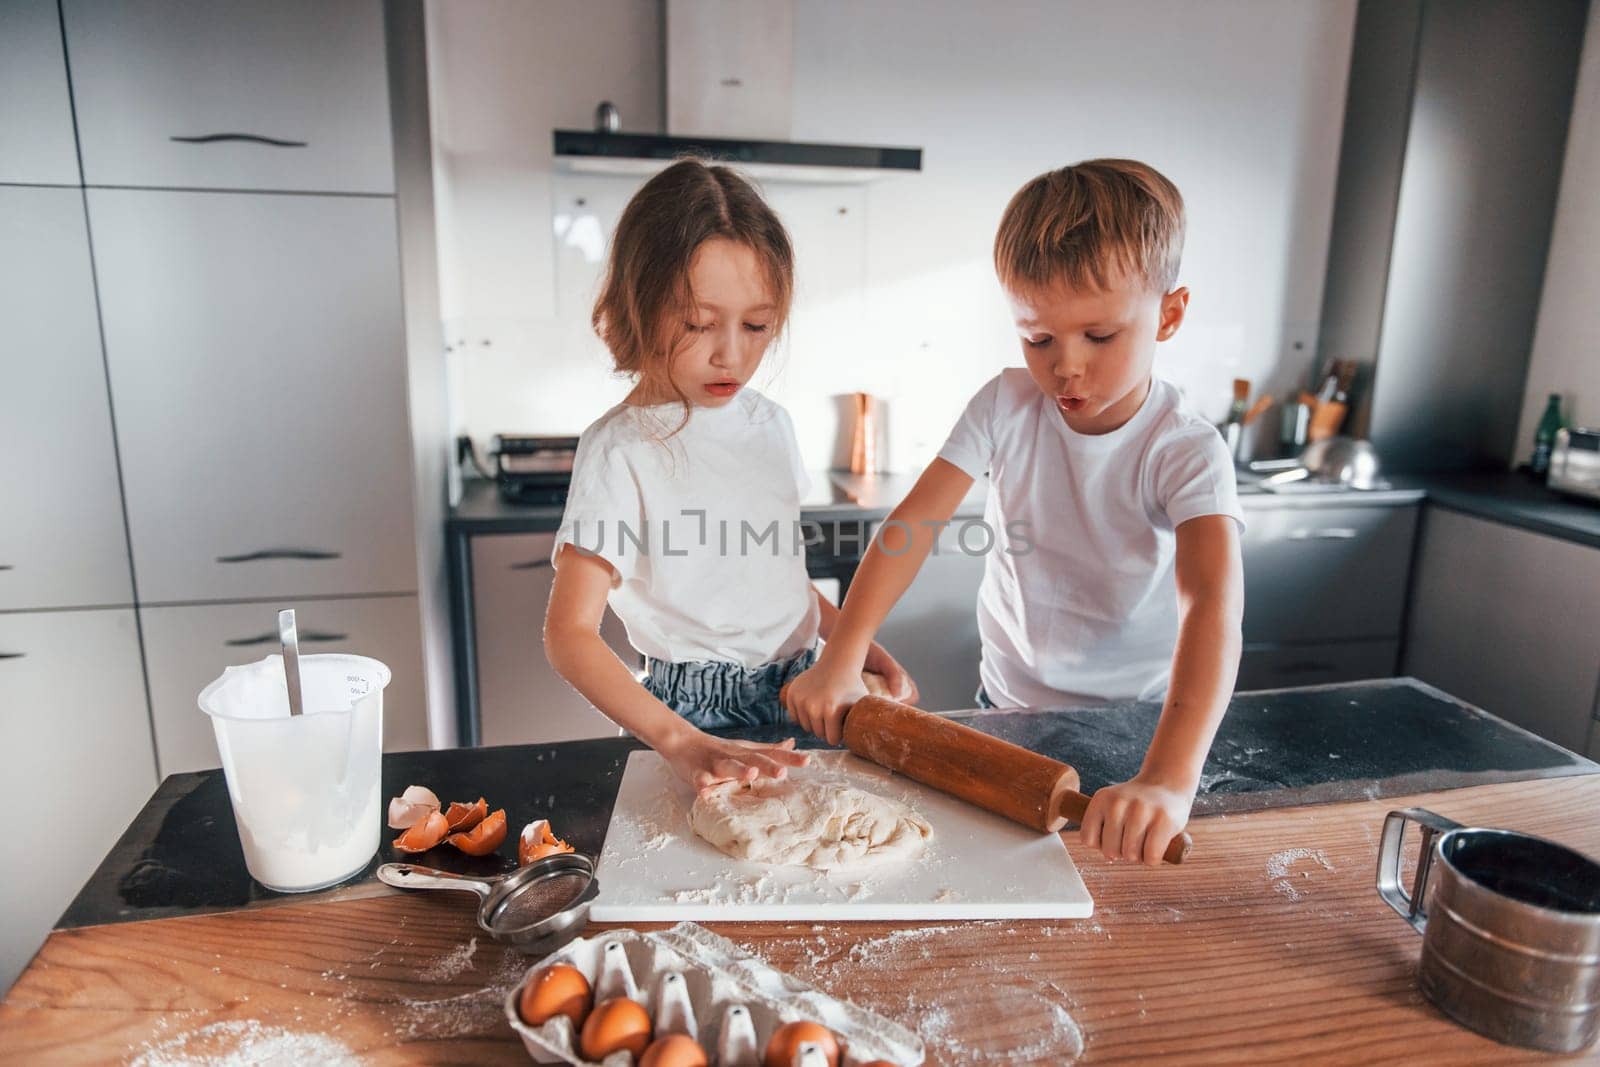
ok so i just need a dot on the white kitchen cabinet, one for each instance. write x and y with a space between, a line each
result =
1507 619
62 542
258 368
74 726
232 94
36 138
187 647
521 699
933 629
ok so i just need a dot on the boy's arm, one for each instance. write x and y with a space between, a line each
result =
574 647
878 661
819 698
1137 819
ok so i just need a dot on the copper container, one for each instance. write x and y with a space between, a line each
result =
864 435
1510 928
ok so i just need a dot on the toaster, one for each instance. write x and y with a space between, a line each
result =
1575 463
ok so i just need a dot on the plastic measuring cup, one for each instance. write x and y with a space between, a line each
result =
305 788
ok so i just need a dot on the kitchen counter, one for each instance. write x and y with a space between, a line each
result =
835 496
181 854
1269 944
1516 500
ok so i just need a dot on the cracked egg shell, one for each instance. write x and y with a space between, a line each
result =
423 835
411 807
537 842
483 838
463 817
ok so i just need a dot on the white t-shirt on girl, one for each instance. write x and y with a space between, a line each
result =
1079 605
702 526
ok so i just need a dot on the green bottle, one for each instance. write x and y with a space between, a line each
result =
1544 436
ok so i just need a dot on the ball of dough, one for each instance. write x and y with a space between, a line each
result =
823 825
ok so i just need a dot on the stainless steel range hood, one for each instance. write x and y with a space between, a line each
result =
728 93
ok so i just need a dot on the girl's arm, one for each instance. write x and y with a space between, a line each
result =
1137 819
574 647
819 698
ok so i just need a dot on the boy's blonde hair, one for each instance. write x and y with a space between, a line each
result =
1089 223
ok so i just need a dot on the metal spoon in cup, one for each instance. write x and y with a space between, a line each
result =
290 638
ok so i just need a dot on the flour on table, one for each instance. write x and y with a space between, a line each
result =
818 824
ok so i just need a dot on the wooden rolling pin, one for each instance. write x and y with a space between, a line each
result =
996 775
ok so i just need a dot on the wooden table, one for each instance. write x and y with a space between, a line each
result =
1270 945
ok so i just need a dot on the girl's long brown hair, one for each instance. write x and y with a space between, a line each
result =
645 297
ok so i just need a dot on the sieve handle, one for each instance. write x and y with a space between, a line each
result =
412 876
1409 906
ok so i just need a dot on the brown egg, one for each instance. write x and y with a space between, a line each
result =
787 1039
557 990
615 1023
674 1050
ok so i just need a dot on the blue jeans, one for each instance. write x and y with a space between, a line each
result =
982 697
718 696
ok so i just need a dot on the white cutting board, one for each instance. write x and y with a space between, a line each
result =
976 865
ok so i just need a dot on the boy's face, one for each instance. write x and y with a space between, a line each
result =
1090 350
729 327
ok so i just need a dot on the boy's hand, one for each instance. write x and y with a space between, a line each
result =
1136 820
705 761
901 686
820 696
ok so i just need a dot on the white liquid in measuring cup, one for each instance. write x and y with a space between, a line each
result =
305 789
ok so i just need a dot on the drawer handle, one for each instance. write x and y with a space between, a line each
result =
1332 533
12 655
279 553
307 637
253 138
6 567
531 565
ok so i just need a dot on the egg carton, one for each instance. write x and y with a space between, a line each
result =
691 981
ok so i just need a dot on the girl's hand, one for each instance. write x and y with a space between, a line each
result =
901 685
1136 820
705 761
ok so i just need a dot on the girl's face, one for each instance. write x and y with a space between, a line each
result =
729 326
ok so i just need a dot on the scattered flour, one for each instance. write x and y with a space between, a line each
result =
245 1043
975 1013
1280 864
451 966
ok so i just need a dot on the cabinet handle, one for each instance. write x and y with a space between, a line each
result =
307 637
279 553
253 138
12 655
6 567
1332 533
531 565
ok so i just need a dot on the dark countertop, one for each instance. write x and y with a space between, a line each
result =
835 496
1516 500
181 855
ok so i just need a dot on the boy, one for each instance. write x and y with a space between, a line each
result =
1118 503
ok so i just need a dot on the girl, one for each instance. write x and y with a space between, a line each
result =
684 508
